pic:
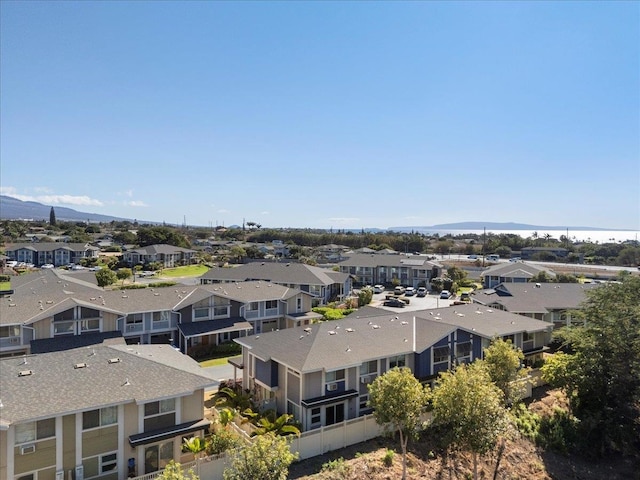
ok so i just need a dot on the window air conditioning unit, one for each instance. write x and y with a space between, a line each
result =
27 449
366 379
14 340
332 387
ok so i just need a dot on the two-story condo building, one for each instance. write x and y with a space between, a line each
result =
372 269
108 412
319 373
512 272
168 255
55 253
49 311
552 302
325 285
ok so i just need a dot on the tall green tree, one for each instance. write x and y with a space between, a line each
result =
504 364
52 217
267 458
106 277
398 400
600 371
468 406
123 274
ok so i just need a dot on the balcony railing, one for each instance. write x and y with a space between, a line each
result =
9 342
136 327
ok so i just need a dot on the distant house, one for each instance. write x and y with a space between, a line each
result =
108 412
323 284
55 253
319 373
168 255
512 272
384 269
551 302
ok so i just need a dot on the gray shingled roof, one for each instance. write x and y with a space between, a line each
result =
379 333
528 298
161 248
45 293
378 260
287 273
50 246
55 387
516 269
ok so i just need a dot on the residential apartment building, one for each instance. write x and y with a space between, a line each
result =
54 253
50 311
319 373
385 269
168 255
512 272
555 303
108 412
323 284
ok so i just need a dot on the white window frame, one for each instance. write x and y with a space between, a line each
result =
102 418
395 359
71 331
34 428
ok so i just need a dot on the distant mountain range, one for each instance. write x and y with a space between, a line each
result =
14 209
492 226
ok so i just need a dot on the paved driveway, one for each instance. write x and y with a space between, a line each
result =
415 303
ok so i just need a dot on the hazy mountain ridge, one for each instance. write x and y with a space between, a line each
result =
494 226
14 209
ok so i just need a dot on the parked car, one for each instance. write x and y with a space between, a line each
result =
472 257
421 292
445 294
399 290
378 289
409 291
515 259
465 297
47 265
394 302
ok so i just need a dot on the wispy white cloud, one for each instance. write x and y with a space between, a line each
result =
52 199
136 203
223 210
265 213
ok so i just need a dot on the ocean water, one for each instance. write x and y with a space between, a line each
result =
595 236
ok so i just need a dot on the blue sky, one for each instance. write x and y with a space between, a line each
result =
325 114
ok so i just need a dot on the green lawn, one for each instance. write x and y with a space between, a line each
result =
214 362
4 286
188 271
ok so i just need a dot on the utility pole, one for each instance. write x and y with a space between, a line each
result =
484 244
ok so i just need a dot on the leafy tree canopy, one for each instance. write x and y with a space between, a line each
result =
600 370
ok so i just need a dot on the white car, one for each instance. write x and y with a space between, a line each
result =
446 294
378 289
47 265
410 291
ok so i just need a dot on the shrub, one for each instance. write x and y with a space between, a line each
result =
527 422
335 469
221 441
388 457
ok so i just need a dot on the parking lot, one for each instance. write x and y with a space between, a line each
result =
431 301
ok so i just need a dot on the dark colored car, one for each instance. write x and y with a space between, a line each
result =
394 302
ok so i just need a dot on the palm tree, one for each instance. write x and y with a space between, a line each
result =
280 426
